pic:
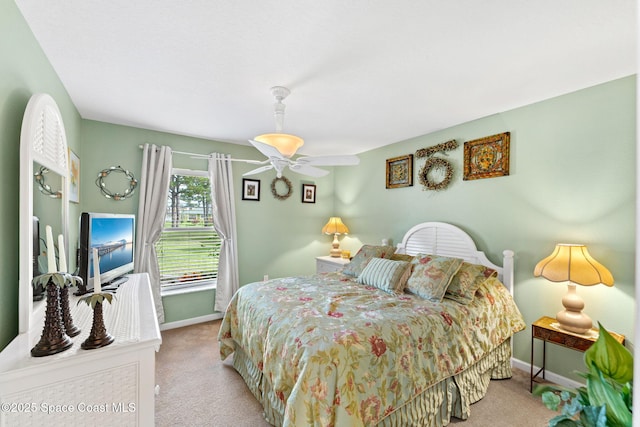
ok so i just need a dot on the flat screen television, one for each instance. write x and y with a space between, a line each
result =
113 236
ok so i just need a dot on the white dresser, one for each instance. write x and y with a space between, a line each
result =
109 386
329 264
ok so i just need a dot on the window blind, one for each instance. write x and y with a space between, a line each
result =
188 256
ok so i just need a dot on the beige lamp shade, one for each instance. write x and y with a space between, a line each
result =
335 227
286 144
573 265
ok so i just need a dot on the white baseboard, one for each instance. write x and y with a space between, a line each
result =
550 376
192 321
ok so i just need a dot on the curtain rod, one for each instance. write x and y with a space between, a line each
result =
208 156
203 156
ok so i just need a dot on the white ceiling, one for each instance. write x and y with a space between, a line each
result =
363 73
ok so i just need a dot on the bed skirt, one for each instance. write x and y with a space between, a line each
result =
451 397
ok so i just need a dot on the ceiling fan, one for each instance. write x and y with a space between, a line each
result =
280 147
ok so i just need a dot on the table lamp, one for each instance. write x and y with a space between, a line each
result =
335 227
573 264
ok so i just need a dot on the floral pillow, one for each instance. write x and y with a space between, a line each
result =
431 276
364 255
385 274
467 280
402 257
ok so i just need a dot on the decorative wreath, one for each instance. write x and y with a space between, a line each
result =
274 191
45 188
436 163
133 183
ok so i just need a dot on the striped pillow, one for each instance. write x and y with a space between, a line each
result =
364 255
385 274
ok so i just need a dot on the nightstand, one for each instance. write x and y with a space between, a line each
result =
328 264
547 330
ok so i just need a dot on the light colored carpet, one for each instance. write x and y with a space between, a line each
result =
198 389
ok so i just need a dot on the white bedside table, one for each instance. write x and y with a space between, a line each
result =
328 264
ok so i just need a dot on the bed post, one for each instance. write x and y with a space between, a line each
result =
508 280
507 270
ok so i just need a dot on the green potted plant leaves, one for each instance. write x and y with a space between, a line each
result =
605 400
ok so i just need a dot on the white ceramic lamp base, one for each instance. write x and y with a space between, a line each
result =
335 251
572 318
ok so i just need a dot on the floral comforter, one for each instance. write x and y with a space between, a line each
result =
340 353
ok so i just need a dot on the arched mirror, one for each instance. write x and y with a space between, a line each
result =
43 150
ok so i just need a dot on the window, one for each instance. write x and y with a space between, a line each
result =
189 247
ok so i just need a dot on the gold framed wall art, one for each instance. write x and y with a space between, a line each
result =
487 157
400 171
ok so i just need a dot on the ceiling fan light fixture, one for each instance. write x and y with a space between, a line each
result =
285 143
279 147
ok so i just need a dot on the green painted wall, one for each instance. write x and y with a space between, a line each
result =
24 70
572 180
188 306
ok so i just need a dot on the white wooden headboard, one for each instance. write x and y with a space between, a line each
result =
439 238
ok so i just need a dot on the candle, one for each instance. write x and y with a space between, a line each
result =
61 255
51 251
97 288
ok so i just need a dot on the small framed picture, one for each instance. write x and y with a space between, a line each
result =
250 189
487 157
400 171
308 193
74 177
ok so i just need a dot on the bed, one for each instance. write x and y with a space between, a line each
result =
368 347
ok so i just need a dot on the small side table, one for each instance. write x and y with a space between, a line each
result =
329 264
546 329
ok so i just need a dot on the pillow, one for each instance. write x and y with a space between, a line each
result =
385 274
364 255
467 280
402 257
431 276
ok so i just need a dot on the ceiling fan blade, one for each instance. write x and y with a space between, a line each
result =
258 170
308 170
266 149
345 160
251 162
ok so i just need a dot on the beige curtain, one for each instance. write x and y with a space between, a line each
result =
152 208
224 221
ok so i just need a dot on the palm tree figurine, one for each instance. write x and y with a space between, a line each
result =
54 337
71 329
98 337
